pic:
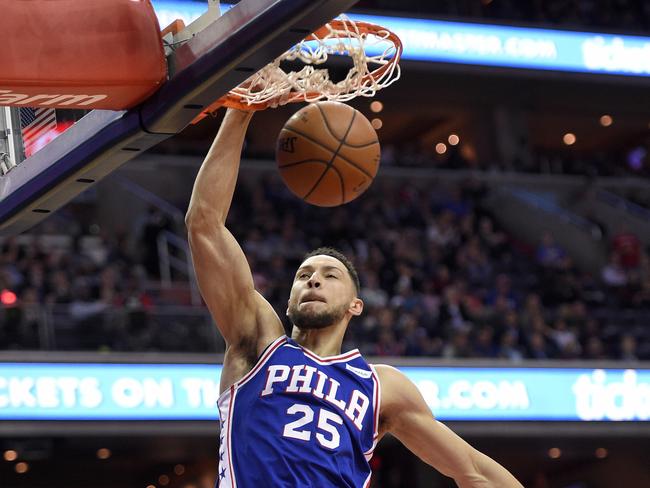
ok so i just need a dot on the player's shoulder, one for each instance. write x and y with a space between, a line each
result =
394 388
397 390
387 373
391 381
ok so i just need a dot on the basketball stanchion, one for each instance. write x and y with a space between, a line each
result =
374 51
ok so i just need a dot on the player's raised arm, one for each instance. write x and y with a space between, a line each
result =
243 316
405 414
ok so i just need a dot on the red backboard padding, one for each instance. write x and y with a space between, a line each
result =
79 53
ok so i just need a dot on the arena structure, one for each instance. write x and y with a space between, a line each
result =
502 249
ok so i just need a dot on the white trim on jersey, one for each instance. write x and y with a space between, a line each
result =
231 410
376 406
339 358
226 406
366 483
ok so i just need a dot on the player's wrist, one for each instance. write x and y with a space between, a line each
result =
239 114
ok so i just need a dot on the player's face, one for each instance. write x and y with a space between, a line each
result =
322 294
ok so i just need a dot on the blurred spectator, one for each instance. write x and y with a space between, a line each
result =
387 344
549 254
442 231
508 348
453 314
594 349
628 348
371 294
627 247
537 348
613 274
459 346
502 292
561 334
23 321
155 223
493 240
484 346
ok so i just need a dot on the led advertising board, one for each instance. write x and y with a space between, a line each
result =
488 44
49 391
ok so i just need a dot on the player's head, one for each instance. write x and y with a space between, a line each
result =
325 290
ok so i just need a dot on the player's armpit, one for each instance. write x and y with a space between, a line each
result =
406 415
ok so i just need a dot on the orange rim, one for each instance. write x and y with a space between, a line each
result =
233 100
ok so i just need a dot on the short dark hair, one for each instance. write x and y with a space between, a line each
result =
336 254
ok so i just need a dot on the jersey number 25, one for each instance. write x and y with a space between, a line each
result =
327 434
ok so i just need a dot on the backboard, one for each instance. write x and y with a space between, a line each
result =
215 59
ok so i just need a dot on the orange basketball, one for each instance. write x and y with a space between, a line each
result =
328 153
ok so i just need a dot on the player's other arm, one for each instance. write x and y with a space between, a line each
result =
243 316
406 415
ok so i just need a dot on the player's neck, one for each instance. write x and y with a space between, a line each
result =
323 342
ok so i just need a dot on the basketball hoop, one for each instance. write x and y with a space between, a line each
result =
366 44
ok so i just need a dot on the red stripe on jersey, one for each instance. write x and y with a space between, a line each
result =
341 357
367 483
376 407
376 401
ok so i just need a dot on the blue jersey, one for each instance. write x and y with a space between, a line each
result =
299 420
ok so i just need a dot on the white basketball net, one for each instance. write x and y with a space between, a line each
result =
275 86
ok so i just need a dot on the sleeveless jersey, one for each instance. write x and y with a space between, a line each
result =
298 420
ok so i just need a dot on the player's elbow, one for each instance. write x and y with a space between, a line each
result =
483 472
472 480
468 473
199 217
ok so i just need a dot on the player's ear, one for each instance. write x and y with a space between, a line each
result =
356 306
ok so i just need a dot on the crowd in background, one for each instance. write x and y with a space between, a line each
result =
609 14
439 279
632 162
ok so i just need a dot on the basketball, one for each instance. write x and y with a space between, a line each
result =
328 153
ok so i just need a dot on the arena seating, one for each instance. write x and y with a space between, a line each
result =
439 279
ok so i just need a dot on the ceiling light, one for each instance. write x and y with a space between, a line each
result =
179 469
163 479
569 138
441 148
10 455
606 120
453 139
8 297
554 452
376 106
601 453
103 453
376 123
21 467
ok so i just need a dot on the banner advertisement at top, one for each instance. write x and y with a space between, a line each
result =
488 44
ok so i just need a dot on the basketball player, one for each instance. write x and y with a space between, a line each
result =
295 412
